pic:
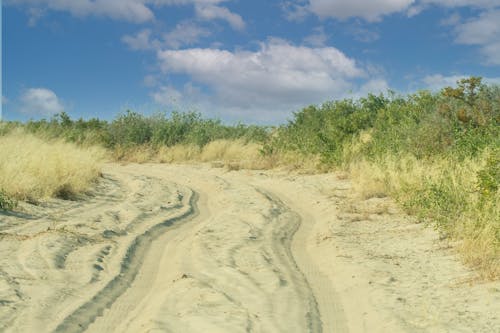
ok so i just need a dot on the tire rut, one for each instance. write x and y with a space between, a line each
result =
282 246
86 314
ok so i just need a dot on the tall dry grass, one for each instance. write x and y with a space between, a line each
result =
32 168
232 154
443 191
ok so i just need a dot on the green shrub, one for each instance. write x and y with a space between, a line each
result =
130 129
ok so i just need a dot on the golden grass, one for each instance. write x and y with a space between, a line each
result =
232 154
178 154
134 154
33 169
407 178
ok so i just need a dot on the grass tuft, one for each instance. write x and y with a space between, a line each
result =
32 169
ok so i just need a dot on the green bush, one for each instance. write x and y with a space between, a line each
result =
132 129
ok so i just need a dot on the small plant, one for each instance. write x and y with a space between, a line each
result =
6 203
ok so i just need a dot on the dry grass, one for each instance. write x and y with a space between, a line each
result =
134 154
178 153
232 154
433 188
33 169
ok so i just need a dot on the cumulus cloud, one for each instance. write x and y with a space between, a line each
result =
276 78
278 70
40 101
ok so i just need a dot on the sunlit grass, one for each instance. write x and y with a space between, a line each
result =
33 169
444 192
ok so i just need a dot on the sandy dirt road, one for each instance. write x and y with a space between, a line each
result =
172 248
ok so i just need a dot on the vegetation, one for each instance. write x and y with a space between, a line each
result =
32 169
436 153
132 129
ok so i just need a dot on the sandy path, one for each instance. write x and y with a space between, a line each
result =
160 248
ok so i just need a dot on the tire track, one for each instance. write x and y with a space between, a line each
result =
86 314
232 271
283 237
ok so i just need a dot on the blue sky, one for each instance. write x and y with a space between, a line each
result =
251 61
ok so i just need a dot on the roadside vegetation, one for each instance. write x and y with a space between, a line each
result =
32 169
437 154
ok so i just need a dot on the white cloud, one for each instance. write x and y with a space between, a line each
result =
483 31
185 33
295 11
480 30
374 86
137 11
371 10
277 78
129 10
141 41
438 81
167 95
462 3
211 12
40 101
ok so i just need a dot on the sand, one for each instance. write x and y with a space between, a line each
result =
190 248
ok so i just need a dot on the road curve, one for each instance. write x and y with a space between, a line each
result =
160 249
230 269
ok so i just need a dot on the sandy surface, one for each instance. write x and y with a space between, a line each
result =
163 248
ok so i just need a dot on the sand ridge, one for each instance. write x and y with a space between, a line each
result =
190 248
